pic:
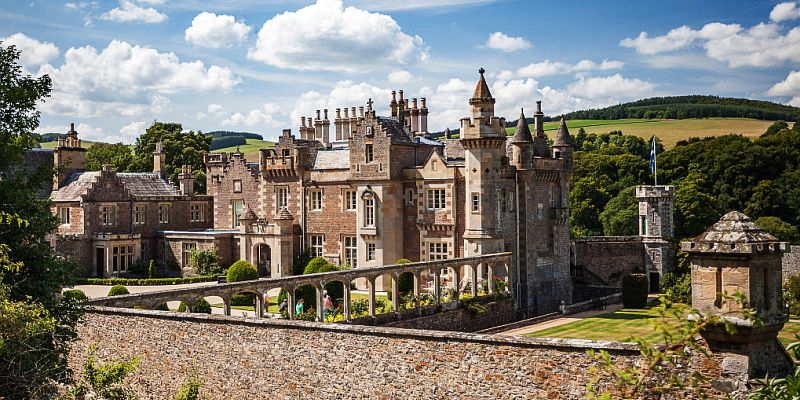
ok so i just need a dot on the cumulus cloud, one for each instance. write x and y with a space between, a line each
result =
131 131
501 41
343 94
216 31
261 117
785 12
129 11
399 77
609 86
214 108
763 45
33 52
547 68
328 36
789 87
127 80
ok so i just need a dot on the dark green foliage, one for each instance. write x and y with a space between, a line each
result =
162 307
206 262
202 306
183 307
242 271
151 270
118 290
621 214
317 264
405 282
243 299
74 295
791 294
681 107
300 262
246 135
118 155
180 148
309 293
634 291
695 209
227 141
104 380
144 282
677 287
779 228
472 304
781 388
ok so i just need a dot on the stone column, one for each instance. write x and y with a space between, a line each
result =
735 255
417 284
346 300
437 286
490 278
259 306
456 280
473 269
395 292
320 314
292 305
226 306
371 295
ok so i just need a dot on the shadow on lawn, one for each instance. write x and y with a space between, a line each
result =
627 315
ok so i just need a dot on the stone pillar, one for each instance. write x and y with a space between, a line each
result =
346 125
490 278
456 280
353 122
473 270
395 292
259 306
226 306
417 285
371 296
437 286
338 123
320 314
292 305
732 256
326 128
423 117
346 300
414 116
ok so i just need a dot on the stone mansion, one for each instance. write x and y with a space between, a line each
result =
369 191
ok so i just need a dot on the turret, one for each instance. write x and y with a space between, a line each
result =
160 160
521 143
482 123
563 146
70 156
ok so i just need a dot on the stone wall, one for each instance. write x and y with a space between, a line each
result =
461 320
604 260
791 262
241 358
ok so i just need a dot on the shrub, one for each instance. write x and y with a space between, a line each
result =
300 262
183 307
242 271
359 307
206 262
634 291
677 287
317 264
472 305
791 294
190 388
403 261
162 307
242 299
307 292
74 296
779 228
405 282
202 306
118 290
151 271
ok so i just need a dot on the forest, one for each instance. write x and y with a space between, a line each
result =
713 175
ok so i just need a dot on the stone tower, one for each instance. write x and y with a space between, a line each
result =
160 160
563 146
735 255
522 144
70 156
484 137
655 228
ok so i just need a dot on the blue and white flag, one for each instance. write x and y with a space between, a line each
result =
653 156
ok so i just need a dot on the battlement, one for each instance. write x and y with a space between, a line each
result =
665 191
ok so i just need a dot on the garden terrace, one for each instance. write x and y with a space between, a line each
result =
476 268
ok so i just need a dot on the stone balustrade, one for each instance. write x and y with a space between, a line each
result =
492 265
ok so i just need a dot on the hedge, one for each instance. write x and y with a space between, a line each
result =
144 281
634 291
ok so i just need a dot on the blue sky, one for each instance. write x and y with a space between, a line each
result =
259 66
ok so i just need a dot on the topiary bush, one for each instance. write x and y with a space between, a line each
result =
118 290
151 271
74 296
183 307
405 282
634 291
242 271
317 264
202 306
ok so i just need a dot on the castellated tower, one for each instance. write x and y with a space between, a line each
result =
655 228
484 137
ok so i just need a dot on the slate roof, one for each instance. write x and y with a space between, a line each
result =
562 136
430 142
336 158
735 227
138 184
453 150
394 128
523 133
482 89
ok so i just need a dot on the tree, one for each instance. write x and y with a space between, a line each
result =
695 208
181 148
206 262
118 155
779 228
621 215
33 275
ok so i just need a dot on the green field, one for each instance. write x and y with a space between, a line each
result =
621 325
250 149
670 131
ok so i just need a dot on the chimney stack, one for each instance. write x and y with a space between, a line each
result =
393 104
401 110
423 117
160 160
186 181
414 116
326 127
353 121
538 119
338 124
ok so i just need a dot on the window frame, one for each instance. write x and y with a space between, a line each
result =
281 197
164 210
139 214
371 250
350 200
350 250
197 212
64 215
107 214
315 200
316 244
369 212
436 198
369 153
438 251
475 202
236 218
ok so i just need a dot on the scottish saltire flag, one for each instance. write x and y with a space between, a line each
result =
653 156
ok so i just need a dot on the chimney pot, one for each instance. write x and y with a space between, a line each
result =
318 114
401 96
423 103
394 95
538 106
303 121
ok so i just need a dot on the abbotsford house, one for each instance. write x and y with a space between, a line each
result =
368 191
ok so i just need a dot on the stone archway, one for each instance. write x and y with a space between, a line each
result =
263 259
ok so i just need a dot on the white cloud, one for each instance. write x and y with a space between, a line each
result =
547 68
609 86
788 87
328 36
127 80
399 77
785 12
762 45
264 117
131 12
214 108
343 94
216 31
394 5
33 52
131 131
501 41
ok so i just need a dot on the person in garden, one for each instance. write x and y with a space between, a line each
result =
327 306
299 308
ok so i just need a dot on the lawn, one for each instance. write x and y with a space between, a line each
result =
250 149
621 325
670 131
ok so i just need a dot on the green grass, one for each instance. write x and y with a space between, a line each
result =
670 131
250 149
623 324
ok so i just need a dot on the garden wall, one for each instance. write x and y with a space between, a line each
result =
462 320
604 260
241 358
791 262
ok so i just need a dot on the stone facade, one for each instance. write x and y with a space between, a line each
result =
110 221
293 359
791 262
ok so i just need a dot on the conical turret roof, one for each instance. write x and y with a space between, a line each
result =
523 133
562 136
482 89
